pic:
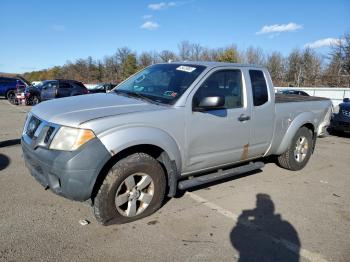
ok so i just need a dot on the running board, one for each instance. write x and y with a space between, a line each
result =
220 174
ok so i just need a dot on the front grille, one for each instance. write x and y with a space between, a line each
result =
346 113
32 126
48 134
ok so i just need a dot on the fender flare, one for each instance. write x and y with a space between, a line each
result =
302 119
117 140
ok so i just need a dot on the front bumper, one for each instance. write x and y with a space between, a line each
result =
69 174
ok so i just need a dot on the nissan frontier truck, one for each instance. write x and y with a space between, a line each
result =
169 127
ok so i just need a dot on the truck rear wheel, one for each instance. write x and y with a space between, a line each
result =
298 152
133 188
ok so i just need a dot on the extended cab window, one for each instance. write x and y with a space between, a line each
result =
226 83
259 87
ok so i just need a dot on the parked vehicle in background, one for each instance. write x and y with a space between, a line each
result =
35 83
9 85
102 88
59 88
170 126
30 94
341 117
51 89
294 92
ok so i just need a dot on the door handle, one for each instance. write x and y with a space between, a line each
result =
243 117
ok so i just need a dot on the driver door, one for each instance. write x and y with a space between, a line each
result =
221 136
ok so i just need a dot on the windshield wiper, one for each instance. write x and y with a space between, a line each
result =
136 95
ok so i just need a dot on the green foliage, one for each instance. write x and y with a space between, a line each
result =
129 66
228 55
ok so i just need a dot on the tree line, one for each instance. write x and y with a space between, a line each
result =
302 67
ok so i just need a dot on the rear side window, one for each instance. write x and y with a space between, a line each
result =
81 85
259 87
64 85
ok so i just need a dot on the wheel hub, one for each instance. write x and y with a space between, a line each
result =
301 149
134 194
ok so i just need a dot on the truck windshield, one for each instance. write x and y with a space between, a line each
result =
161 83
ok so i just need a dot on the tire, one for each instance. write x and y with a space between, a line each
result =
33 100
11 96
296 158
118 182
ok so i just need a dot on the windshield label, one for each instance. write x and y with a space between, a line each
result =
188 69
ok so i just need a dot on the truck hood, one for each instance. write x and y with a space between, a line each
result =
73 111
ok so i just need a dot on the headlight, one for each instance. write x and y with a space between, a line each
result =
69 139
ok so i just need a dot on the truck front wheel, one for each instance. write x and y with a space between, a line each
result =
298 152
133 188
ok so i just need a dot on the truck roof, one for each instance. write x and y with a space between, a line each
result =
211 64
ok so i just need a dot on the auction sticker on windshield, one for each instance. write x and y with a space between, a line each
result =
188 69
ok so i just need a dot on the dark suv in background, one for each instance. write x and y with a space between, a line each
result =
340 121
51 89
9 85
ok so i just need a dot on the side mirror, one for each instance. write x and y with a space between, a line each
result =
209 103
346 100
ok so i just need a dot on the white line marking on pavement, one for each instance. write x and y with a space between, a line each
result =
289 245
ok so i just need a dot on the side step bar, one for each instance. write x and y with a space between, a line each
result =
220 174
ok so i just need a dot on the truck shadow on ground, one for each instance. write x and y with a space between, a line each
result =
4 162
262 235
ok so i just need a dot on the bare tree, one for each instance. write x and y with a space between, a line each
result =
184 50
145 59
196 52
295 68
277 68
311 66
166 56
338 70
255 56
299 68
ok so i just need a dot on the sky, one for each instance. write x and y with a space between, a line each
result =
37 34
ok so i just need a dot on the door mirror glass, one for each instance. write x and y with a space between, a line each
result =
210 103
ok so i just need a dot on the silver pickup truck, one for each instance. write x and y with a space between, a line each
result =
168 127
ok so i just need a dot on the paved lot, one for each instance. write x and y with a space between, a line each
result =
263 216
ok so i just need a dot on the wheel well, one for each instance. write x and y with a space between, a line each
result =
311 127
154 151
314 135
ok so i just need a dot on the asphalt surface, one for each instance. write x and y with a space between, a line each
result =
273 215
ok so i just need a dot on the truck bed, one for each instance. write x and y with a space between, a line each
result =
286 98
